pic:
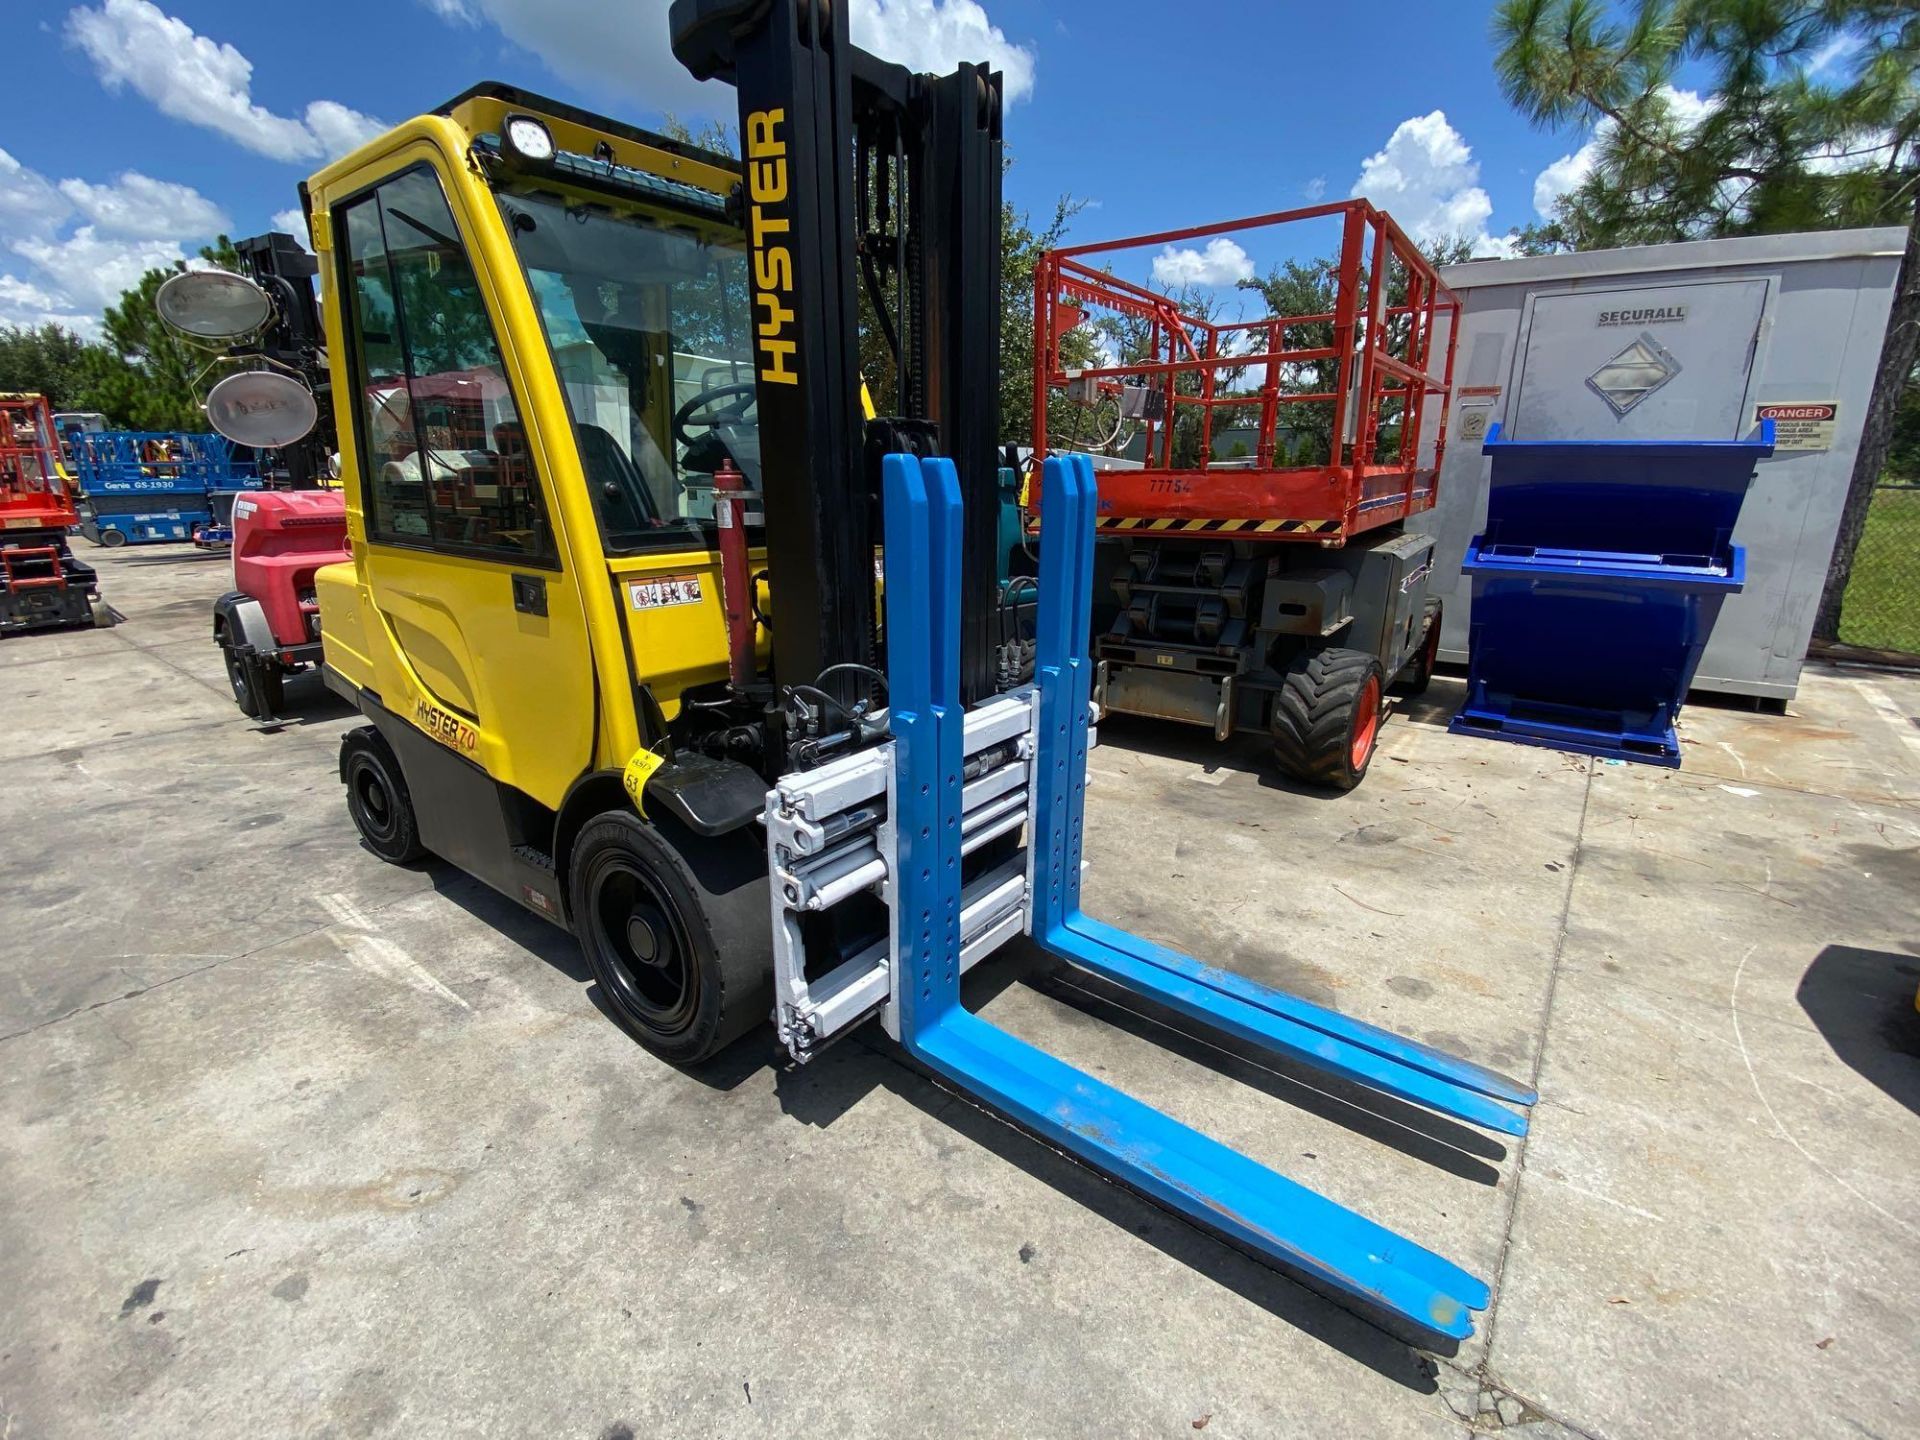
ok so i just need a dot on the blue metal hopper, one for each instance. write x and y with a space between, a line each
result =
1596 585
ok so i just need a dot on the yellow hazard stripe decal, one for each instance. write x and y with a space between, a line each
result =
1219 527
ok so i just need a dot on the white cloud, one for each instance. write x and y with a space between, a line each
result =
1315 188
339 128
1563 177
119 230
1688 108
1860 152
1222 263
936 35
137 204
28 204
622 52
89 270
30 306
1569 172
1427 179
135 45
291 222
1835 52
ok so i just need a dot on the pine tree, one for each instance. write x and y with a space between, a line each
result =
1811 122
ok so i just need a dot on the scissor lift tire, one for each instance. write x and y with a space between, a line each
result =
1417 674
1326 717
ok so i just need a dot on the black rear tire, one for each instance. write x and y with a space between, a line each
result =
1417 674
1326 717
377 797
677 931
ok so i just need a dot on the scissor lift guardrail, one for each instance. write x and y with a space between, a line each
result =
899 819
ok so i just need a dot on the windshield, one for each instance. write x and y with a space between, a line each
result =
648 324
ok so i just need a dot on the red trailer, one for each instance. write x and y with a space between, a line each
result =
42 587
1256 477
268 625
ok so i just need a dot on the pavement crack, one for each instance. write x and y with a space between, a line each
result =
1544 1031
116 999
223 691
278 940
1489 1407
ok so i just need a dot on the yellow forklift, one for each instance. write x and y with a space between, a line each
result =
658 632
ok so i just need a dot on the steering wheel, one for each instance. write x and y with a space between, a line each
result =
744 392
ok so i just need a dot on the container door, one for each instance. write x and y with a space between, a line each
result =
1655 362
485 646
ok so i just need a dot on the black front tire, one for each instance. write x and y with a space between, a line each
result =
676 930
377 797
113 539
1326 718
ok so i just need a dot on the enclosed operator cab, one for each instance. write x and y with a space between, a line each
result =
538 329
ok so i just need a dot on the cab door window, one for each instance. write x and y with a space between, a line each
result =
444 457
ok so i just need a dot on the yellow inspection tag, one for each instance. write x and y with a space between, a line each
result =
639 769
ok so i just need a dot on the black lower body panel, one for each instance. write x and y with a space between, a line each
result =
466 817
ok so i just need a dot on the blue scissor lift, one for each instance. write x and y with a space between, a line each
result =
146 487
902 817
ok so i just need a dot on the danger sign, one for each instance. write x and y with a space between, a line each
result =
1801 424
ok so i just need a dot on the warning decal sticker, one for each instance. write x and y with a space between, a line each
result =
1800 425
656 594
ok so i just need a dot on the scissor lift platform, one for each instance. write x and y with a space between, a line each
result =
901 819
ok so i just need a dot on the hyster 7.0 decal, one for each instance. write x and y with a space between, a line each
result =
772 262
449 730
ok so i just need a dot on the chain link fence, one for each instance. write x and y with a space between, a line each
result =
1881 609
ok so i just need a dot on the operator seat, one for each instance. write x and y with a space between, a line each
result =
618 487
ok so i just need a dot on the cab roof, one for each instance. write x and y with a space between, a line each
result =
461 110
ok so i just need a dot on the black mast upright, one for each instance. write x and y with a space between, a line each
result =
790 62
822 123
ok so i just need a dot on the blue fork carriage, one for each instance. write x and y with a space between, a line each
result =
1136 1144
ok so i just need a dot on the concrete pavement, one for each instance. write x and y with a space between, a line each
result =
296 1143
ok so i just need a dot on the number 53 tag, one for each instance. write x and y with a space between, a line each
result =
638 770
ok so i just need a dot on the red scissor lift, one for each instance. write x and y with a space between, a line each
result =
41 585
1275 588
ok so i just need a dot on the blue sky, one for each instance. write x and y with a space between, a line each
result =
130 130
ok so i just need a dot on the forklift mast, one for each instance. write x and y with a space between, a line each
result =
858 171
294 343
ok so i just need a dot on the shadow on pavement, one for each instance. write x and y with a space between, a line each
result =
1862 1002
1382 1342
308 702
171 557
821 1092
1418 1133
